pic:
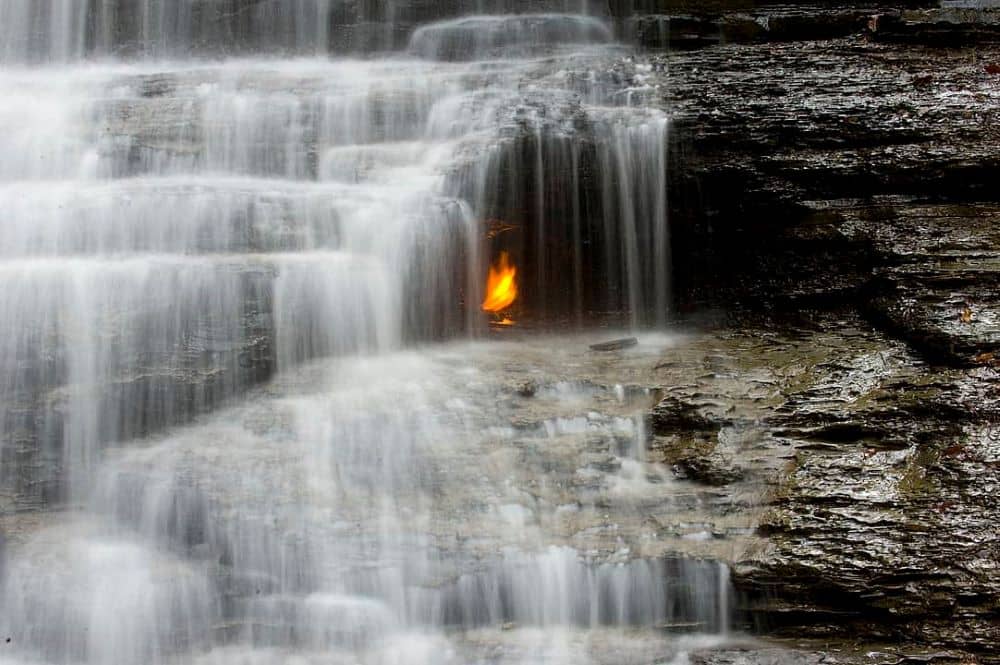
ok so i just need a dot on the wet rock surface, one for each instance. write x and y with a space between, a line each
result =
855 372
958 23
936 279
877 520
888 518
865 172
805 652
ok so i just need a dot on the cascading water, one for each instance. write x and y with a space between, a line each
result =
219 444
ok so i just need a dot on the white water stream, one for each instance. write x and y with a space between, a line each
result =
225 283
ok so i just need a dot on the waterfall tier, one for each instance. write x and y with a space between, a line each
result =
67 30
213 273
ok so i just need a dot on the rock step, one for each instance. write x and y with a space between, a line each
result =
684 31
215 215
947 26
952 26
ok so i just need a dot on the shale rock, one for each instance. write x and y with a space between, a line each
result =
866 171
937 278
802 132
960 24
896 543
876 520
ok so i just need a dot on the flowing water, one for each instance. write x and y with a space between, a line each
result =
244 415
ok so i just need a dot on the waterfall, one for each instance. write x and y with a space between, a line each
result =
240 382
67 30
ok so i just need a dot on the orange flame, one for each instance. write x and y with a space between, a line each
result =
501 285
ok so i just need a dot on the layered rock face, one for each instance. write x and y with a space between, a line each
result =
846 187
